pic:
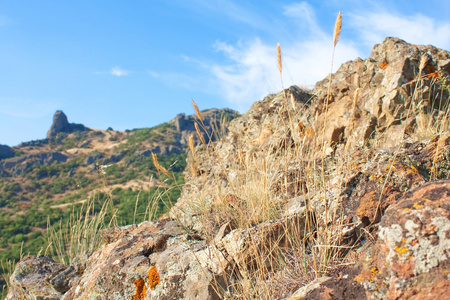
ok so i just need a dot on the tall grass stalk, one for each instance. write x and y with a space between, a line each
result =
7 266
80 234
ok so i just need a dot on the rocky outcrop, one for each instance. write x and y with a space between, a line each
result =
113 159
295 172
153 259
410 259
92 159
412 255
40 278
6 152
61 124
18 165
213 121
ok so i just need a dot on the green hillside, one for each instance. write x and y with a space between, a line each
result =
49 181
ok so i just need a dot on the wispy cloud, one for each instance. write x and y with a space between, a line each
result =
119 72
253 71
419 29
304 16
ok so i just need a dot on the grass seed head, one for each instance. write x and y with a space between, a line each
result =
200 135
293 102
158 166
197 111
280 66
191 144
355 98
423 62
337 29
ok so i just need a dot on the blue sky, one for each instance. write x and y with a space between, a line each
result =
134 64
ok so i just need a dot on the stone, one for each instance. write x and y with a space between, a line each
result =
133 255
92 159
385 208
61 125
113 159
411 256
40 278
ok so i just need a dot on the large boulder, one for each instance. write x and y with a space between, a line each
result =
40 278
61 124
412 256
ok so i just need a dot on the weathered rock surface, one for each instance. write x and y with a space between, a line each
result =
391 200
412 255
19 164
385 82
40 278
184 126
61 124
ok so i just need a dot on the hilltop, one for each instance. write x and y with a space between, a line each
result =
340 192
42 182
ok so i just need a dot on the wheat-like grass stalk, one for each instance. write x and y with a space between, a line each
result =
191 144
158 166
200 135
280 65
336 35
293 102
337 29
355 100
197 112
423 63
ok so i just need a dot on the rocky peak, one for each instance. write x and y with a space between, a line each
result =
61 124
212 120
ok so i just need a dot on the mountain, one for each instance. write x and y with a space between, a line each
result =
338 192
47 181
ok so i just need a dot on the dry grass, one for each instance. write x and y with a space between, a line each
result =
260 190
282 197
8 267
79 236
299 251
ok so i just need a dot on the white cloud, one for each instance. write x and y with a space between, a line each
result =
417 29
253 71
119 72
305 17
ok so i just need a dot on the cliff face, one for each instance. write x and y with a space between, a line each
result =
310 195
